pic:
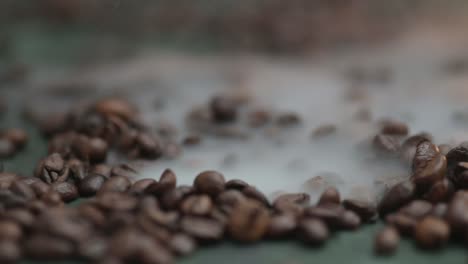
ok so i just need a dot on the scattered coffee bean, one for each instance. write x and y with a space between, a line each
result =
313 231
223 109
454 157
282 225
440 191
397 196
191 140
259 118
249 221
330 196
403 223
90 185
139 186
429 166
209 182
364 209
236 184
202 228
386 241
254 193
197 205
393 127
432 233
182 244
7 148
67 191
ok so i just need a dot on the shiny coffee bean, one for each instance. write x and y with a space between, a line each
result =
249 221
293 203
202 228
116 184
167 182
330 196
432 233
397 196
454 157
149 146
197 205
386 241
408 148
366 210
209 182
313 231
52 169
67 191
429 166
440 191
331 215
229 199
282 225
393 127
91 184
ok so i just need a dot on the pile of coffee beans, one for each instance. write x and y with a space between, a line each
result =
12 140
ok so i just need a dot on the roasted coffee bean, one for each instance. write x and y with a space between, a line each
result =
153 229
330 196
17 136
408 149
90 185
149 146
209 182
397 196
52 198
7 148
393 127
77 169
101 169
229 199
93 249
288 119
124 170
457 212
439 210
11 200
223 109
366 210
172 199
182 244
67 191
92 214
432 233
403 223
349 220
293 203
6 179
116 107
254 193
429 166
116 201
197 205
236 184
386 241
313 231
202 228
93 150
116 184
20 216
52 169
10 252
10 230
249 221
417 209
139 186
282 225
386 144
45 247
167 182
454 157
440 191
330 214
191 140
23 190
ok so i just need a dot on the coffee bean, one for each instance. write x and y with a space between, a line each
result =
139 186
16 136
259 118
408 149
209 182
229 199
417 209
52 169
172 199
116 184
52 198
288 119
223 109
67 191
457 212
182 244
254 193
432 233
124 170
152 229
349 220
97 150
23 190
116 201
115 107
397 196
202 228
6 179
293 203
93 249
90 185
10 252
282 225
78 171
323 131
429 166
330 195
439 210
10 231
403 223
330 214
7 148
53 124
191 140
101 169
167 182
20 216
313 231
386 241
249 221
92 214
366 210
454 157
440 191
149 146
386 144
236 184
393 127
197 205
44 247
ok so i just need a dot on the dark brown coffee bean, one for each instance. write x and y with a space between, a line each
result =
457 212
209 182
254 193
7 148
197 205
20 216
116 201
403 223
330 214
236 184
78 170
429 166
6 179
149 146
17 136
439 210
292 203
386 241
228 199
408 149
282 225
52 169
249 221
23 190
330 196
171 199
93 249
67 191
386 144
10 252
223 109
116 107
44 247
139 186
454 157
397 196
90 185
393 127
440 191
313 231
366 210
288 119
182 244
101 169
432 233
417 209
52 198
349 220
124 170
167 181
202 228
10 231
116 184
98 150
92 214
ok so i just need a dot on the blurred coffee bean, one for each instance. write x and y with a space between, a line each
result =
282 225
416 209
209 182
10 252
67 191
6 179
330 214
16 136
167 182
432 233
259 118
366 210
139 186
77 169
330 196
10 230
52 169
116 184
52 198
44 247
116 201
429 166
7 148
397 196
440 191
349 220
91 184
454 157
191 140
182 244
288 119
393 127
116 107
20 216
408 149
236 184
313 231
172 199
324 131
386 241
197 205
439 210
403 223
23 190
149 146
386 144
293 203
249 221
457 212
253 193
202 228
101 169
223 109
